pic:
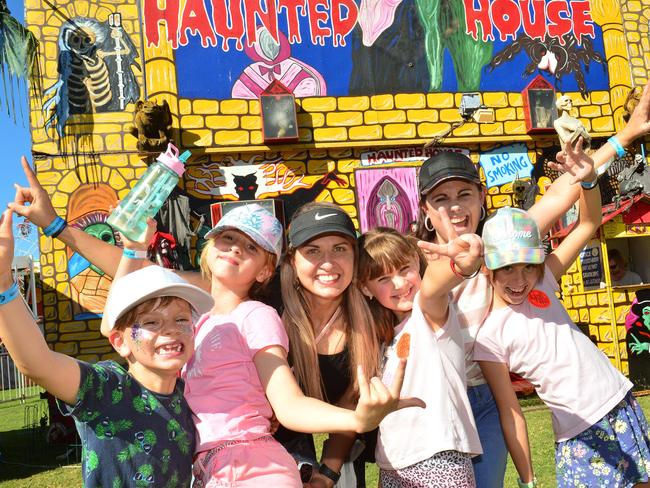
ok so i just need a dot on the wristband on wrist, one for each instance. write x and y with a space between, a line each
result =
602 169
452 264
530 484
588 185
9 294
329 473
614 142
55 227
133 254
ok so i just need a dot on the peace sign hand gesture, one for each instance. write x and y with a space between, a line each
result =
466 250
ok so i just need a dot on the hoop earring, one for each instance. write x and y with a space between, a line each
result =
483 213
428 225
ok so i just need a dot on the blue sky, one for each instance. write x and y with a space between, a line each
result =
16 141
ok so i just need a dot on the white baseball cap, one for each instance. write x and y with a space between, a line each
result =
150 282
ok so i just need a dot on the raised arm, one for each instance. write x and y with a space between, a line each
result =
298 412
57 373
41 212
513 422
561 195
589 219
459 259
34 203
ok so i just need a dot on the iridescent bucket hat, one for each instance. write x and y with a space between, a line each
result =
510 236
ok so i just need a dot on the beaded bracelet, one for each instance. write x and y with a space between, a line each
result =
133 254
55 227
614 142
452 264
9 294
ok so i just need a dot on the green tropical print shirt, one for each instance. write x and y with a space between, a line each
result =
131 436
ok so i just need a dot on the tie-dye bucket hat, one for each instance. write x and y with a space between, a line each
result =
257 223
510 236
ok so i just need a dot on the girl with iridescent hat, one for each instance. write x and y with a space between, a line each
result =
600 430
451 180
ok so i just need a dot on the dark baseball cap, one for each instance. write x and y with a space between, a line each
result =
319 221
446 165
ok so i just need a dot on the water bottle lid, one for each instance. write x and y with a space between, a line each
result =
171 159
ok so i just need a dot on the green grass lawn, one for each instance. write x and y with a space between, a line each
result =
27 461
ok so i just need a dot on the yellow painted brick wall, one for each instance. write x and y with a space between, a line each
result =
333 133
379 120
636 25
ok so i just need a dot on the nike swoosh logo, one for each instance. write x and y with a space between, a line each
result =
321 217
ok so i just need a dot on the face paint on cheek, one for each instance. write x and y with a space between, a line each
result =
136 335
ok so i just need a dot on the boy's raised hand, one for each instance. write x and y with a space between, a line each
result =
40 210
573 160
466 251
376 400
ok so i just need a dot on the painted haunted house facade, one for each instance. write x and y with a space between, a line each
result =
374 81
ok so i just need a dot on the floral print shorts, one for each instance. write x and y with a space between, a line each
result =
612 453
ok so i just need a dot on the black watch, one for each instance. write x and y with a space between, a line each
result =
330 473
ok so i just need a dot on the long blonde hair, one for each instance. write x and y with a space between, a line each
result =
361 340
383 250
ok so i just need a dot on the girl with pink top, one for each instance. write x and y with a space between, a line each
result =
239 376
433 446
600 431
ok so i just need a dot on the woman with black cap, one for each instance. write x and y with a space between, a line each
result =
328 322
451 180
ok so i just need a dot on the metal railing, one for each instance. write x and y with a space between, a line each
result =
13 384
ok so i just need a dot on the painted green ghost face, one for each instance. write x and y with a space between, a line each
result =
102 232
645 315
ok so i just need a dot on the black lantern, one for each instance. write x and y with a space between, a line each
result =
279 123
539 106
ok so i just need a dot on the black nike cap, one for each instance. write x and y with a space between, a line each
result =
319 221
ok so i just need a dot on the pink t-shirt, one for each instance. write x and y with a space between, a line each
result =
436 374
222 386
538 341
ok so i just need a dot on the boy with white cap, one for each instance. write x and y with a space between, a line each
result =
135 426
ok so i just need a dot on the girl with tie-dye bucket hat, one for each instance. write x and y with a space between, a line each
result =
600 431
239 375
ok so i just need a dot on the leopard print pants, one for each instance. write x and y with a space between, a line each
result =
447 469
